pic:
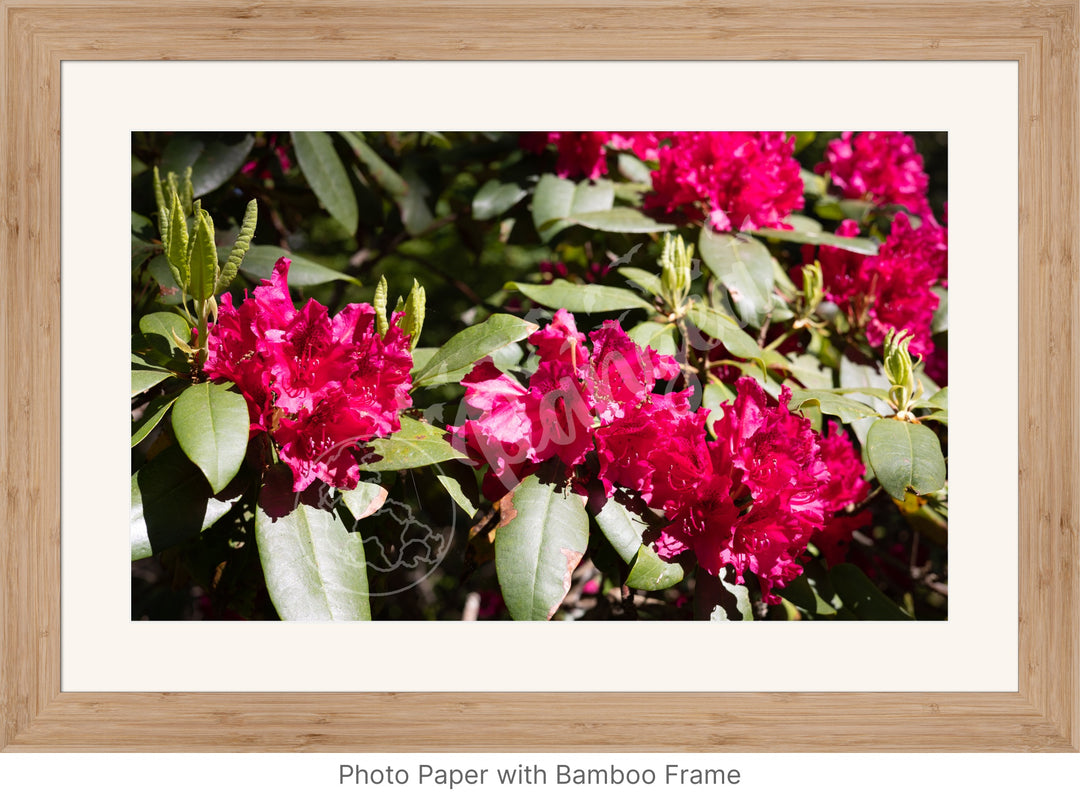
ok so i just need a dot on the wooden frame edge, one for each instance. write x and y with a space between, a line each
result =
36 715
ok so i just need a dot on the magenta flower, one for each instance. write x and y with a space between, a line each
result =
893 289
320 387
572 393
880 167
736 180
847 486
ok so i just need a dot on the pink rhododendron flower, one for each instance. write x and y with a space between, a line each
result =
737 180
880 167
572 393
320 387
892 289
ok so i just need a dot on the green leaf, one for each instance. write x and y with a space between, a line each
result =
142 380
739 600
802 594
176 245
660 336
587 299
259 264
941 314
539 542
862 246
155 411
625 532
470 345
719 326
213 159
327 176
383 174
940 399
557 199
860 596
905 456
240 247
648 281
211 426
203 259
364 500
495 198
830 403
159 329
804 224
619 220
170 503
416 444
457 493
635 170
314 567
745 267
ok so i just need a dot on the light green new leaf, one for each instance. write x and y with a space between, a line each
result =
587 299
315 568
905 456
470 345
327 176
176 244
417 444
539 542
240 247
647 281
211 426
660 336
203 259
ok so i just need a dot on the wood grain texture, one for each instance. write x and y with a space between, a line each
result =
1040 36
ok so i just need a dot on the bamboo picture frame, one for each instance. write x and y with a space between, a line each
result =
1041 37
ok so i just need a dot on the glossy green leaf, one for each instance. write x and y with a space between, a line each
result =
259 264
203 259
846 409
862 246
719 326
635 170
457 493
586 299
625 532
939 399
555 200
738 596
745 267
211 426
660 336
619 220
806 597
417 444
161 329
364 500
381 172
142 380
327 176
861 597
494 198
467 347
170 503
214 159
155 411
314 566
905 456
647 281
541 539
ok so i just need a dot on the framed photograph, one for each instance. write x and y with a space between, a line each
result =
644 382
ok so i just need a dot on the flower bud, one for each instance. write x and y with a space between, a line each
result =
899 368
675 264
413 321
813 287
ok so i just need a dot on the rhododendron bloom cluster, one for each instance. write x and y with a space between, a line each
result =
890 290
737 180
753 498
584 154
880 167
318 386
847 487
573 393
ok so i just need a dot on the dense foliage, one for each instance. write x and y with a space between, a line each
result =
633 375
